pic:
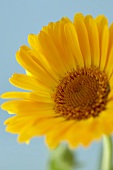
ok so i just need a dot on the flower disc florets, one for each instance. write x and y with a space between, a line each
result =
82 94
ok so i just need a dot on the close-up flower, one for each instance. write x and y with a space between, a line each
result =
68 83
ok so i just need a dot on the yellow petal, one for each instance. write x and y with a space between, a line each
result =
101 22
27 82
66 50
93 40
49 50
107 120
44 64
58 42
31 65
53 30
102 25
78 15
109 67
83 38
57 134
72 39
104 47
110 38
111 82
110 101
37 128
22 95
91 129
35 96
26 106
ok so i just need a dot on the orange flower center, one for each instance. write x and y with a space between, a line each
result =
81 94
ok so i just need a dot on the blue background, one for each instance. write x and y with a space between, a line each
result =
17 20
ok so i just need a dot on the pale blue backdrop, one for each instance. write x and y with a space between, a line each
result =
17 20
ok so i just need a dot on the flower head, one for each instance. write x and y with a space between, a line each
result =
69 83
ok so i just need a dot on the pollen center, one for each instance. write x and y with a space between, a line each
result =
81 94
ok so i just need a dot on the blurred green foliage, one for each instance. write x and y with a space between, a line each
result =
62 158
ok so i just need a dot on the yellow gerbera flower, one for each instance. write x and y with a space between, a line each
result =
69 78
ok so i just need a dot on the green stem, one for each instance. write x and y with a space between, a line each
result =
107 153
